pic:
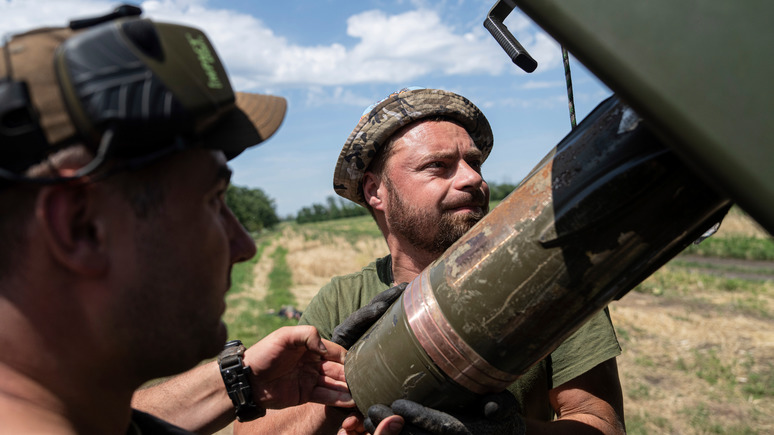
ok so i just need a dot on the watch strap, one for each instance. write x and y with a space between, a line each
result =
236 378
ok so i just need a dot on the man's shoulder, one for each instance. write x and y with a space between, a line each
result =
365 279
366 272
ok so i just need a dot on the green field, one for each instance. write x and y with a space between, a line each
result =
697 336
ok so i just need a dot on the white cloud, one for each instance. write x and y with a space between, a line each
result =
321 96
388 48
532 84
18 16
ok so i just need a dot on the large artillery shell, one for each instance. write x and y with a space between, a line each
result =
606 208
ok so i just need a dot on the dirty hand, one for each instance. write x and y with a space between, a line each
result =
493 413
354 326
293 365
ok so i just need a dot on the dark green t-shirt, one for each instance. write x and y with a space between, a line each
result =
592 344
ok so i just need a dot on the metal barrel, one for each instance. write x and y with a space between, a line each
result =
608 206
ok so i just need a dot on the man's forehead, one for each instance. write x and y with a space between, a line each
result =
188 166
436 137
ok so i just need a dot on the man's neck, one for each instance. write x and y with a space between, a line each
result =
27 406
408 261
54 384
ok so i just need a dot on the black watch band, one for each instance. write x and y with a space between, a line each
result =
235 376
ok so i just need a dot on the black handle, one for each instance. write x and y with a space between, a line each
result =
494 23
125 10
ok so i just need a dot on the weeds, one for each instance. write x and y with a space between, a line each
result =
735 377
701 420
675 283
760 384
280 281
741 247
646 424
639 391
729 386
249 319
350 228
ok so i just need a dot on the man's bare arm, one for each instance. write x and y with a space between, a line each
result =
592 403
310 418
195 400
292 365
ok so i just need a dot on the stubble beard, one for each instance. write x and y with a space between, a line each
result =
425 232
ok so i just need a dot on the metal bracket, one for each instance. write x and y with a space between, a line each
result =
494 23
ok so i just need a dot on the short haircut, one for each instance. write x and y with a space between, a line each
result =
141 188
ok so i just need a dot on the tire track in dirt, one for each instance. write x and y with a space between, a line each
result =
261 272
729 267
314 258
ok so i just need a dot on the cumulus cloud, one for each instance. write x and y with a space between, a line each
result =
18 16
386 48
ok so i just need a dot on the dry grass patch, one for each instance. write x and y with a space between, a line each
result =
314 258
694 359
737 223
698 348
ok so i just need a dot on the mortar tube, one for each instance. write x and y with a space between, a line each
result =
602 211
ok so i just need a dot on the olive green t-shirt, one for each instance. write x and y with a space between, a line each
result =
592 344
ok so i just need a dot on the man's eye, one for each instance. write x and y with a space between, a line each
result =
219 198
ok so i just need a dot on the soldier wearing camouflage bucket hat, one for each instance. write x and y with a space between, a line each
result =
382 119
414 160
117 243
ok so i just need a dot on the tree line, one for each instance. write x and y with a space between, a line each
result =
254 209
257 211
338 208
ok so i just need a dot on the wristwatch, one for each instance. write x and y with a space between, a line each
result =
235 375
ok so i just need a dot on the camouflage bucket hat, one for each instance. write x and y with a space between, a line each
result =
381 120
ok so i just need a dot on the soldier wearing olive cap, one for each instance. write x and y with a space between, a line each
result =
117 242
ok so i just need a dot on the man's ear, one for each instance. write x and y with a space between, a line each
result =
72 227
373 191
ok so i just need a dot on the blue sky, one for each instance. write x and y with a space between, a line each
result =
331 59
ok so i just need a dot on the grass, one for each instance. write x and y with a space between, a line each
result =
251 319
350 228
739 296
740 247
735 268
248 318
760 384
644 424
739 237
708 366
702 419
734 385
280 281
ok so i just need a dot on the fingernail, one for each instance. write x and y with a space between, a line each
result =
395 426
322 347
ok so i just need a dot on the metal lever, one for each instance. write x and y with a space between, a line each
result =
125 10
494 23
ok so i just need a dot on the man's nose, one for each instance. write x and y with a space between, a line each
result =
467 177
241 244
